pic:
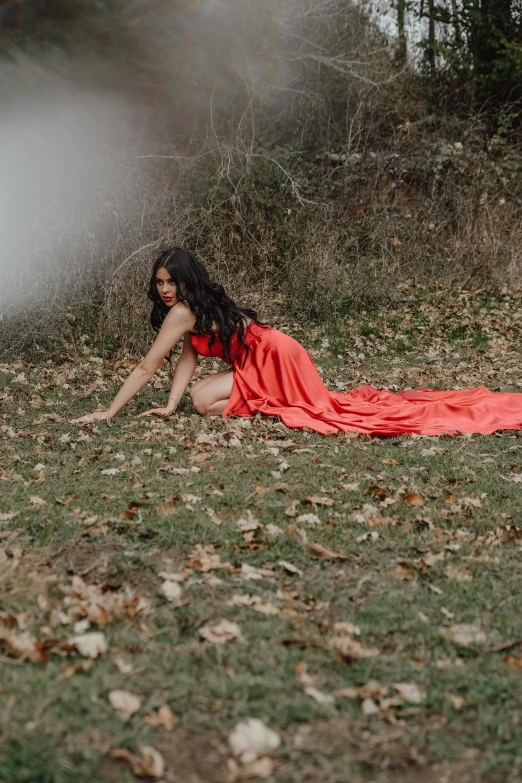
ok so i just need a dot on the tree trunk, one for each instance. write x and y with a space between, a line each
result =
401 54
431 37
456 23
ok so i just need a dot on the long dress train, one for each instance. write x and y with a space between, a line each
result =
279 378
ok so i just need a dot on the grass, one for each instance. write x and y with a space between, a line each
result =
436 547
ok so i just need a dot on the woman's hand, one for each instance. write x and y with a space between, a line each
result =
158 412
92 417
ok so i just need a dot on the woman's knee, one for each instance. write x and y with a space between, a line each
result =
198 401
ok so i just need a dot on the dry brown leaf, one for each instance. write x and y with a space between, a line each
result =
431 559
370 515
402 569
81 666
90 645
24 645
252 739
344 642
251 572
413 499
464 634
320 501
163 717
204 558
458 702
103 607
37 502
312 520
172 591
8 515
322 552
319 696
290 567
151 763
291 509
254 602
459 574
220 632
514 662
125 667
125 703
415 694
258 770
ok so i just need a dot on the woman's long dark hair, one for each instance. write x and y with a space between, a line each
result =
208 301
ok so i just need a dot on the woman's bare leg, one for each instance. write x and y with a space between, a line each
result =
211 394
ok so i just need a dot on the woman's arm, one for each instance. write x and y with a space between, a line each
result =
178 321
180 380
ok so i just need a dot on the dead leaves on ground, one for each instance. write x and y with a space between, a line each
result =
251 739
150 764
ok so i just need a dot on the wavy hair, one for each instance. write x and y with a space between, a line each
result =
208 301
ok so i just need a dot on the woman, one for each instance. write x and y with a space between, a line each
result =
271 373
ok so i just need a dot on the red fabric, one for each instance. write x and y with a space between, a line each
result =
279 378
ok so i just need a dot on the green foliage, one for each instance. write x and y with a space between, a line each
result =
474 54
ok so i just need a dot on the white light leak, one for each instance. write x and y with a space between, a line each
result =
57 147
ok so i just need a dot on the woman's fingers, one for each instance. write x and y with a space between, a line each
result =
157 412
91 417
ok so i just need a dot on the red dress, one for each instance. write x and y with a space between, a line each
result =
279 378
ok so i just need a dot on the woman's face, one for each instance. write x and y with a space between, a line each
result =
166 287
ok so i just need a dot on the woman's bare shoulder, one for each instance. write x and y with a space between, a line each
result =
181 315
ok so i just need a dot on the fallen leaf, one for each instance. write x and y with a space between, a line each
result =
125 703
459 574
369 706
81 666
322 552
320 501
171 590
24 645
254 602
151 764
290 567
458 702
204 558
431 559
402 569
344 642
220 632
260 769
413 499
319 696
312 520
7 516
251 739
464 634
125 667
163 717
410 692
248 523
291 510
90 645
251 572
514 662
37 502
